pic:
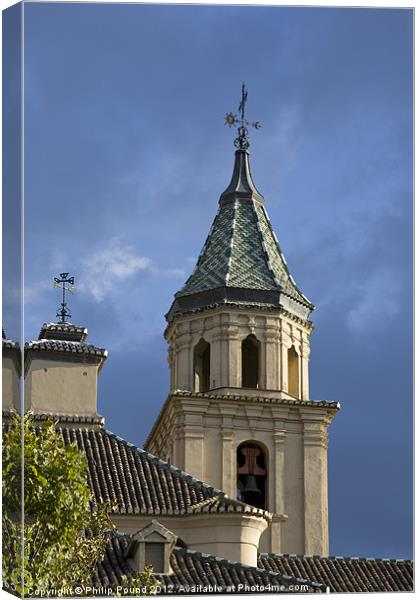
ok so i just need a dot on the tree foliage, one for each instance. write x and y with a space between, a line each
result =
63 533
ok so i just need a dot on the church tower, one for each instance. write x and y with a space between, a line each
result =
238 414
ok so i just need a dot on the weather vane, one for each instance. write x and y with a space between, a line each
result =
242 141
60 282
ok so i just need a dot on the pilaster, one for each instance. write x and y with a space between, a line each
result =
193 438
315 483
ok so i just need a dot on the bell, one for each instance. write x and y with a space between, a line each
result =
251 487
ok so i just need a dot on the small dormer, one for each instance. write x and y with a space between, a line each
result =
61 371
151 546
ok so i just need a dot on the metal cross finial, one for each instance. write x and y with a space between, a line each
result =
242 141
60 282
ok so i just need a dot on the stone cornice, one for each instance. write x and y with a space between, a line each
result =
327 408
65 351
257 399
233 307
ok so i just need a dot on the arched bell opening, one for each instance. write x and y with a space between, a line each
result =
251 460
202 366
250 362
293 372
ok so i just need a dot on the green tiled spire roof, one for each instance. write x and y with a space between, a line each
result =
241 260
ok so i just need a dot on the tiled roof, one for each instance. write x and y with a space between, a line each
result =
134 481
66 346
241 250
62 418
9 344
64 339
196 569
63 331
11 349
260 399
345 574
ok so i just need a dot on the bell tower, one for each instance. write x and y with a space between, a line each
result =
238 414
261 340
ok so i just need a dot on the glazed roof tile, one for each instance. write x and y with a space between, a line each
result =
345 574
191 568
241 250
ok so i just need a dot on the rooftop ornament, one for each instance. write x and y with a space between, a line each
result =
60 282
242 141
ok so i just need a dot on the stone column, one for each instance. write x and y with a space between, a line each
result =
285 343
171 363
231 339
315 484
305 369
184 379
217 367
272 358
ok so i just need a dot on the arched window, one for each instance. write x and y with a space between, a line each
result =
250 362
293 372
202 366
252 474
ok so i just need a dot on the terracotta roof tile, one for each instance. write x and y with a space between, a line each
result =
191 568
135 481
343 574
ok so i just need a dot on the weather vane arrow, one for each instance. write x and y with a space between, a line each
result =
242 141
60 282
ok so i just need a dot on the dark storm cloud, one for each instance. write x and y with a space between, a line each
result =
126 156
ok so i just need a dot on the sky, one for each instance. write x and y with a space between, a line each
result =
126 154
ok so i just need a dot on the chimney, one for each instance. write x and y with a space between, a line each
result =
61 371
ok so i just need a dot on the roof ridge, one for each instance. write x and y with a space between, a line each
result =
264 247
333 557
226 561
231 245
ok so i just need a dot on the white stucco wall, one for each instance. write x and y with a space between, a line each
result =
61 386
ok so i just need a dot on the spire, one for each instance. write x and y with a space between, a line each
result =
241 184
241 262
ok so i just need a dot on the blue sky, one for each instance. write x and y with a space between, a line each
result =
126 155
